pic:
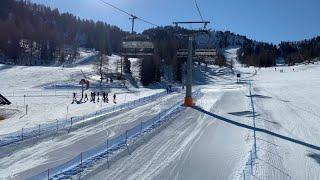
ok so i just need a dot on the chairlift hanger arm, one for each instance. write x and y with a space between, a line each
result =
192 22
205 23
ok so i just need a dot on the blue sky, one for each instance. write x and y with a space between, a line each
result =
263 20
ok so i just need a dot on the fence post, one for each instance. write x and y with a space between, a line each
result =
244 175
67 112
127 142
108 152
81 159
22 133
39 129
48 174
126 136
70 125
57 124
251 162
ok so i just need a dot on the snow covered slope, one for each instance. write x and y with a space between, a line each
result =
46 103
288 103
209 141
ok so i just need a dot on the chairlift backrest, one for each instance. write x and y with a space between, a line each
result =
197 52
137 45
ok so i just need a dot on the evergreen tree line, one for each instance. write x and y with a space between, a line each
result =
34 34
258 54
167 40
300 51
261 54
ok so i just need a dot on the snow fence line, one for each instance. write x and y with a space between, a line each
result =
77 86
66 124
104 150
247 172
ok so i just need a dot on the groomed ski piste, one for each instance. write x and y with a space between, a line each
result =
212 140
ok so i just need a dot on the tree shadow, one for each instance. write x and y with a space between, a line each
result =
241 113
244 113
260 96
272 122
257 129
315 156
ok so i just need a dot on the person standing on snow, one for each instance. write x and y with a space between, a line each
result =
104 96
74 98
91 96
94 97
114 98
85 97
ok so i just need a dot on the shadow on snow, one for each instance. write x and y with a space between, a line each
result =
258 129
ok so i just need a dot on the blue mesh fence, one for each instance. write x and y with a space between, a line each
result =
135 131
41 176
100 149
69 165
60 124
116 141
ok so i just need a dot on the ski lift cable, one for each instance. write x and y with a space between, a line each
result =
198 9
133 16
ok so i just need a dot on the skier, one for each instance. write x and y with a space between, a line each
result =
104 97
94 97
114 98
98 96
91 96
74 98
85 97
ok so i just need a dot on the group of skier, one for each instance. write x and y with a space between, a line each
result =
94 97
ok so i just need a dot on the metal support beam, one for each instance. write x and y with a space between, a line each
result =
121 71
188 99
132 18
188 102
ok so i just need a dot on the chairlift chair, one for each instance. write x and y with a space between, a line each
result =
134 46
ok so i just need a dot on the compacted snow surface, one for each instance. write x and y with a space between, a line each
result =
197 143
